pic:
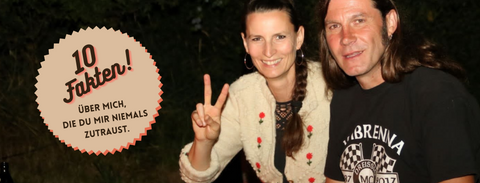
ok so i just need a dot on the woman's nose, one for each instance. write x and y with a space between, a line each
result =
269 49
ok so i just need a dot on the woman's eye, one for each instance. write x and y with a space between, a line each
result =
281 37
255 39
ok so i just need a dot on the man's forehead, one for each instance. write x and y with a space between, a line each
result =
349 8
350 4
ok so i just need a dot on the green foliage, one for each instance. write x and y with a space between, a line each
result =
186 39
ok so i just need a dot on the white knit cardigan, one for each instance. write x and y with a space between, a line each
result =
248 122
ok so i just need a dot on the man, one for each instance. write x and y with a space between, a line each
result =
399 110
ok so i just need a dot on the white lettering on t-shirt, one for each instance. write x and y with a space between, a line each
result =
379 133
366 131
358 132
375 132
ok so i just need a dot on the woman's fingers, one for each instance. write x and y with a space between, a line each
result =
222 97
201 114
214 126
196 119
202 111
207 90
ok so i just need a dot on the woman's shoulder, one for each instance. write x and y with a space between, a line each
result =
247 81
312 64
315 76
314 69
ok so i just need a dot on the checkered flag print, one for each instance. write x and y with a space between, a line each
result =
378 153
384 163
351 156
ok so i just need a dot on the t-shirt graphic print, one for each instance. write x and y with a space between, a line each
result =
377 169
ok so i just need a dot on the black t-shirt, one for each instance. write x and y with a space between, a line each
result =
423 129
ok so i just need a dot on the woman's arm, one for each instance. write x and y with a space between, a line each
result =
206 124
328 180
464 179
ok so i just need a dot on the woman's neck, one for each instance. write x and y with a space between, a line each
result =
282 88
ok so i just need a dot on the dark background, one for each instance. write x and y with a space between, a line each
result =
186 39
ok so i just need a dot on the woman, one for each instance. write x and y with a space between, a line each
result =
279 115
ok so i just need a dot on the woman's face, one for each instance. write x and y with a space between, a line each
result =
271 41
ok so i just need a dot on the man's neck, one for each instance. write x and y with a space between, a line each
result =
371 80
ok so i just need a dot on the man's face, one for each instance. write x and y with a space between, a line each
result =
354 31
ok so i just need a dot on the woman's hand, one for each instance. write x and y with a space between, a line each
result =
206 118
206 124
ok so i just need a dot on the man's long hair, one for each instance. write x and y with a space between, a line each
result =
404 52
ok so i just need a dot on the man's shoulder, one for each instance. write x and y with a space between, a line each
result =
431 77
428 83
431 73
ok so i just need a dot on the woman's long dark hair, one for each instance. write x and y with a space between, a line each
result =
404 52
292 140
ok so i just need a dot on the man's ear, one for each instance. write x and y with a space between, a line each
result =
300 37
392 20
244 42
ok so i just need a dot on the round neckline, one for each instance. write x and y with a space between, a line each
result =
283 102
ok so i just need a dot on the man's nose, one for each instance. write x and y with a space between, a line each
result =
348 37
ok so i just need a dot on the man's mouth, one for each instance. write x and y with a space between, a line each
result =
354 54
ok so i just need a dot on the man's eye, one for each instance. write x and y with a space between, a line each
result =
333 26
281 37
359 20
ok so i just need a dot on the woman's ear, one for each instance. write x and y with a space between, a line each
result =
300 37
244 42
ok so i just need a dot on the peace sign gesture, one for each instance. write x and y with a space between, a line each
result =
206 118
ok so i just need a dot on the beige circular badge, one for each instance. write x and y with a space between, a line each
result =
98 91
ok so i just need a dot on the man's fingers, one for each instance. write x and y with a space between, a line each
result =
201 114
207 89
222 97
